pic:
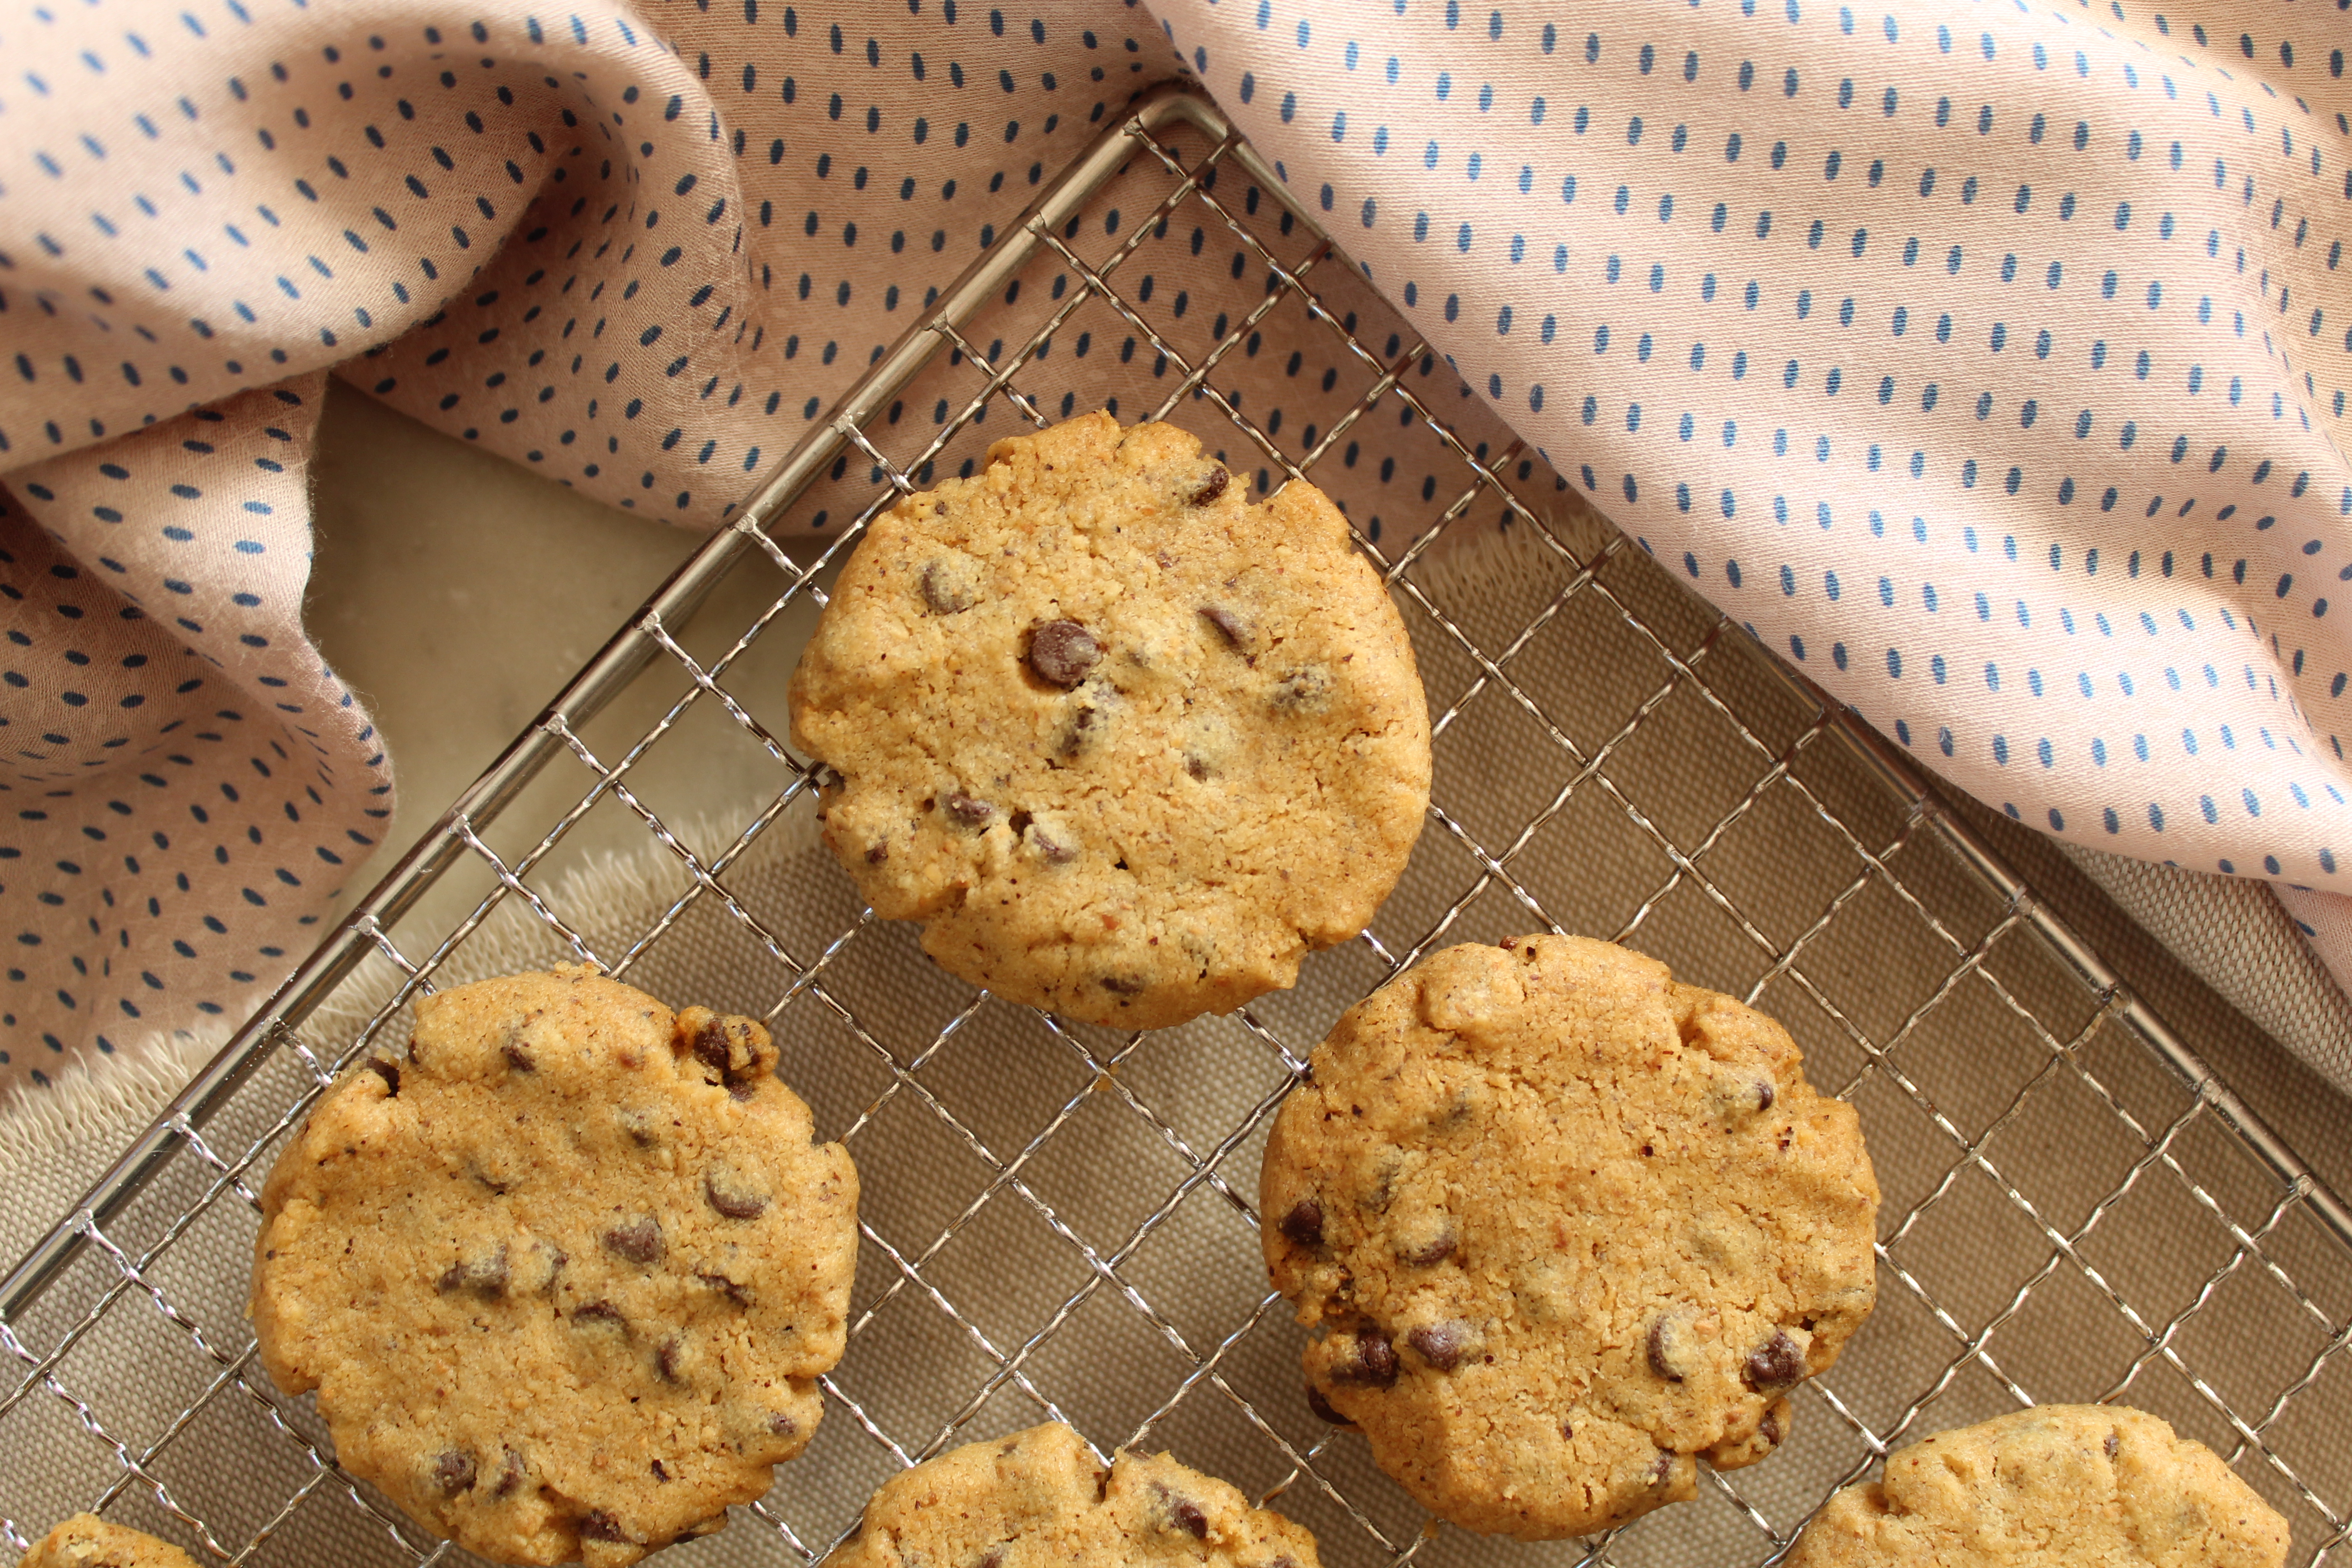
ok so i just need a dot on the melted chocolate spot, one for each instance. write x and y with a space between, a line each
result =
1213 487
388 1071
969 812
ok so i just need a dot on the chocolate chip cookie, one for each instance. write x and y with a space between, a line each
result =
1037 1499
86 1541
1561 1228
564 1273
1126 745
2089 1485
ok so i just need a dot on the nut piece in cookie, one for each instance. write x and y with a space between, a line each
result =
565 1274
1039 1499
1559 1229
1126 745
2058 1483
86 1541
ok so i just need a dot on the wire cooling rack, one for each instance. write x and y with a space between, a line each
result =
2076 1208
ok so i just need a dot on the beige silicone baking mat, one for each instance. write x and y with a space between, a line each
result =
1058 1220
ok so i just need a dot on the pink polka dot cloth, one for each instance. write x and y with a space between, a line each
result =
1990 363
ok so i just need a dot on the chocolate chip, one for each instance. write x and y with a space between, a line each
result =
1441 1344
1061 652
1778 1363
1122 985
1667 1346
598 1525
939 508
659 1474
485 1276
452 1472
639 1241
947 591
1213 487
2111 1443
1566 1433
1086 727
1184 1514
1302 691
1304 1224
971 812
784 1426
601 1314
388 1071
1662 1469
1322 1408
739 1294
710 1047
540 1263
665 1359
511 1473
1196 767
516 1056
1236 631
731 1197
1768 1429
1375 1361
1433 1253
1764 1095
1053 843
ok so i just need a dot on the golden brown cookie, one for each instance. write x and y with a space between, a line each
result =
1561 1228
1037 1499
565 1273
1126 745
86 1541
2073 1485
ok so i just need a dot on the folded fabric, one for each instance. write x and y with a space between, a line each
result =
1990 369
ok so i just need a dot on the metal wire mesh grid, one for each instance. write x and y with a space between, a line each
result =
2075 1209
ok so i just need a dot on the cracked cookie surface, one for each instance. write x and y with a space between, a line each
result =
2072 1486
1038 1500
1126 745
563 1274
86 1541
1560 1229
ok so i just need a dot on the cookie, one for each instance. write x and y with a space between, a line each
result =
565 1274
1037 1499
86 1541
1126 745
1560 1229
2082 1486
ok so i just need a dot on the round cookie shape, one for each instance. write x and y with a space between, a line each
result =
563 1275
2082 1486
1038 1500
1559 1229
86 1541
1126 745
